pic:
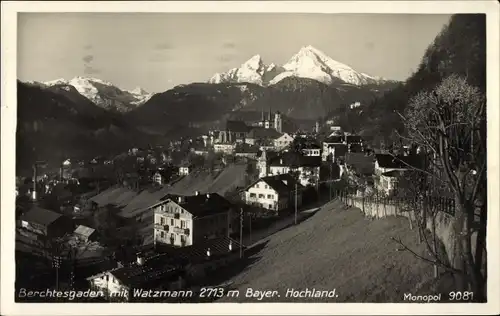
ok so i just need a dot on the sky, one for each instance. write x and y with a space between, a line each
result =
157 51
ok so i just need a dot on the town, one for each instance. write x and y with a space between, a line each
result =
307 181
142 217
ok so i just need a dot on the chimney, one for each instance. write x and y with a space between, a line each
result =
208 195
208 252
197 193
230 245
140 259
180 199
281 161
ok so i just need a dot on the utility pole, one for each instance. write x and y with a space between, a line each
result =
241 233
330 184
296 207
56 263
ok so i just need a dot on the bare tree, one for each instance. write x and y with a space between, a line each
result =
449 123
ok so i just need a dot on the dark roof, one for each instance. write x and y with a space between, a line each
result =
295 159
400 162
202 204
393 173
262 132
237 126
334 139
246 148
152 270
361 162
311 146
40 216
278 184
353 139
356 147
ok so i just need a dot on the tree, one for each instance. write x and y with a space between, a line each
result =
449 123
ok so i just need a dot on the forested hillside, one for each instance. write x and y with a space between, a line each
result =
459 49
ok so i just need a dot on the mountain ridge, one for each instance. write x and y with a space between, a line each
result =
308 63
102 93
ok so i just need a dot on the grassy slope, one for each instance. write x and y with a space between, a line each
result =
339 249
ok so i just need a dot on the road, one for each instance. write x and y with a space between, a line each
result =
258 235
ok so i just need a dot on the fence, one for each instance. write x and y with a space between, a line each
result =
380 204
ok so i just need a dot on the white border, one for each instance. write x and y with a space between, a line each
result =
8 117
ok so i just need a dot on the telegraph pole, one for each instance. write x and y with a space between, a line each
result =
56 263
241 233
296 189
330 185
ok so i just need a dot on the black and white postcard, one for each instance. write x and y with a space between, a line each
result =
167 154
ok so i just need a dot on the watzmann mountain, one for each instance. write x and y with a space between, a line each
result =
308 63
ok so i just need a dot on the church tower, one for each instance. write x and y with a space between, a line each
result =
262 164
278 123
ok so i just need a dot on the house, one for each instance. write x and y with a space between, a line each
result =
185 220
171 270
185 169
225 148
388 181
332 143
45 223
202 151
122 284
262 136
312 150
160 177
85 233
306 167
274 193
387 162
248 151
283 141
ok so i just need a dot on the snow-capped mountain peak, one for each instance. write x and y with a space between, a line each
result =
104 93
254 63
251 71
308 62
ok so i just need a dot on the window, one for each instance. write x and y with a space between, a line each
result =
162 220
252 195
266 186
270 196
257 185
172 222
261 196
183 224
162 234
183 238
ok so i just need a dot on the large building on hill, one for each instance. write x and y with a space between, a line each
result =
185 220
